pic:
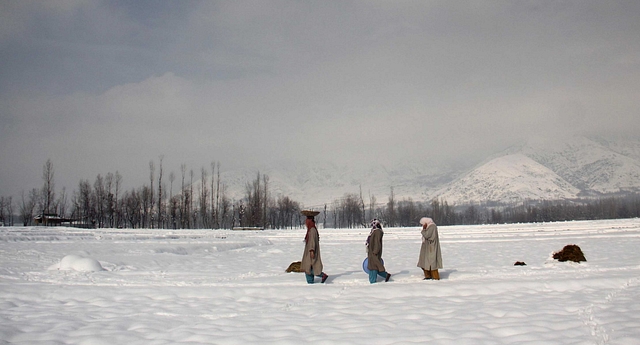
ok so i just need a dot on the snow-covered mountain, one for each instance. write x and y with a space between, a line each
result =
509 178
541 169
551 169
593 166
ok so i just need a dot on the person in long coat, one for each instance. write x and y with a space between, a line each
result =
311 260
374 253
430 256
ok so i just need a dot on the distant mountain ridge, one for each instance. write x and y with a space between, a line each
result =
315 185
541 169
509 178
566 168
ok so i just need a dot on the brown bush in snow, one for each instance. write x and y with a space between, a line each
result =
570 252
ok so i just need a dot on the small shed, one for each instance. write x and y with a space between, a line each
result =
50 219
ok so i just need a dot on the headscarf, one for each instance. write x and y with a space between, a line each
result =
310 223
426 220
375 224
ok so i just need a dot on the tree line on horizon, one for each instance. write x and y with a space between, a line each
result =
350 211
203 203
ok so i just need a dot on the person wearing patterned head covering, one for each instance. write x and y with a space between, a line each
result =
374 253
430 256
311 262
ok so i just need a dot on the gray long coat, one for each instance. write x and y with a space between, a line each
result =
374 251
430 256
313 242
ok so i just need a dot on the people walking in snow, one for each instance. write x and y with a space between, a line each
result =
430 256
311 260
374 253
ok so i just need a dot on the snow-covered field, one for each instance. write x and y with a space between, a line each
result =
210 287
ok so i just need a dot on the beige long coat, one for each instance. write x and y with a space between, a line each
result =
374 251
430 256
307 264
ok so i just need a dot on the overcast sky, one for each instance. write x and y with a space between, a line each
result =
100 86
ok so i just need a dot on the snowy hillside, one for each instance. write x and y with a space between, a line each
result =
508 178
626 147
550 169
589 165
543 168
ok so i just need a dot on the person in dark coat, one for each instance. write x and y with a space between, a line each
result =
374 253
311 262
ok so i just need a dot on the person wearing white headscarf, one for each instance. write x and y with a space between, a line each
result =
430 256
374 253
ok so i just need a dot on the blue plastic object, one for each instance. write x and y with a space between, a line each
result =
365 265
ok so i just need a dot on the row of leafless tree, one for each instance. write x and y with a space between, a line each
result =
198 203
627 206
203 203
350 211
6 210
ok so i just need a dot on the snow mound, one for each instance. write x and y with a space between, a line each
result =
77 263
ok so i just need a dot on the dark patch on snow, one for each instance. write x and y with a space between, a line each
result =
570 252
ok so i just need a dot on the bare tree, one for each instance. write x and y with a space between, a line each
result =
27 207
85 207
183 207
336 223
48 189
192 213
204 197
133 206
214 211
218 193
363 220
118 213
160 207
109 202
100 200
172 203
147 200
255 201
62 203
391 210
172 178
265 200
174 207
151 201
351 211
3 211
372 205
9 206
324 218
408 212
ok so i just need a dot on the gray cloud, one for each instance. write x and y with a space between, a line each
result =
105 86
